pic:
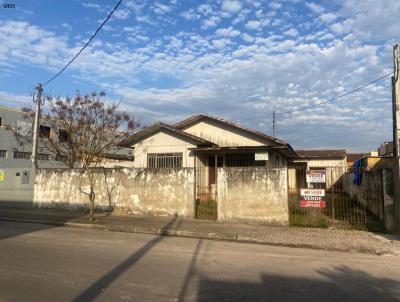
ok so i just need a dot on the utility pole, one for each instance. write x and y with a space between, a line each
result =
396 135
273 123
35 138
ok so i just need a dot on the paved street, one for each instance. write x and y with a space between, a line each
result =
43 263
316 238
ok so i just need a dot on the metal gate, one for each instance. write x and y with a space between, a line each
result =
206 189
339 210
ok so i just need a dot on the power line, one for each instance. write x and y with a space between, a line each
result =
87 43
336 98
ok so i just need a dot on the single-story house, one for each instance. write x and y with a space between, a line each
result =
333 162
205 140
205 144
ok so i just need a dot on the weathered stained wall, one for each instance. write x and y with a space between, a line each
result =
369 193
253 193
139 191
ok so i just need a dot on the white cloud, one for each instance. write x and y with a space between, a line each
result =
246 37
253 24
291 32
14 100
342 27
328 17
189 15
121 14
160 8
276 68
232 6
227 32
205 9
211 22
93 5
318 9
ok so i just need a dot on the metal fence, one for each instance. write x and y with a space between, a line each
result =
338 208
206 193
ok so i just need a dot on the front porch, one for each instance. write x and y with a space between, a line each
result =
207 162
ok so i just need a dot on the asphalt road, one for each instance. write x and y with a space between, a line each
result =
42 263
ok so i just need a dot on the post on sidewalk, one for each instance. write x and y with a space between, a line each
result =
396 135
35 137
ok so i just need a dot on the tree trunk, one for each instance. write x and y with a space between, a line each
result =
91 205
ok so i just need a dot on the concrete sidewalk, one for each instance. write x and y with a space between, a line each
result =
327 239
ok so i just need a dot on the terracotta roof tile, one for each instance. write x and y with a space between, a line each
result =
321 153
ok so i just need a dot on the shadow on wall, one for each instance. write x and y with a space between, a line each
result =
340 284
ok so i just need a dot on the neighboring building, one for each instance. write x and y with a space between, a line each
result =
386 149
16 153
205 143
333 162
371 161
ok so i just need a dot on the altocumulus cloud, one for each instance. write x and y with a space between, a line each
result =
237 59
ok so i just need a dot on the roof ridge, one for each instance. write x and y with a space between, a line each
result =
159 125
220 119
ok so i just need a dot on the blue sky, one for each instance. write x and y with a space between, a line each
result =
166 60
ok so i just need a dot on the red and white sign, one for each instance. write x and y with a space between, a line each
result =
313 204
312 198
315 176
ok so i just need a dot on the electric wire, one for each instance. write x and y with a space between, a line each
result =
86 44
336 98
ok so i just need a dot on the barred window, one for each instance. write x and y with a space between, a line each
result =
22 155
164 160
43 156
3 153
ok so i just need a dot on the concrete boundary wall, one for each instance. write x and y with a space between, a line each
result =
137 191
253 193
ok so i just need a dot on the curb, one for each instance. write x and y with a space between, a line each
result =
198 235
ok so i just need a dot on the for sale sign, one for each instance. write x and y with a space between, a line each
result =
312 198
315 176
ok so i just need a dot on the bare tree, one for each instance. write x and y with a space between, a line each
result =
84 130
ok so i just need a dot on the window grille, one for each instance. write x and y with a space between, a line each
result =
22 155
43 156
164 160
3 153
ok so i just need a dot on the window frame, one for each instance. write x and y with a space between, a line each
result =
26 155
44 131
164 160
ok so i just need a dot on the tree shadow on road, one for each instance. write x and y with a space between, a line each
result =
16 221
339 284
106 280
